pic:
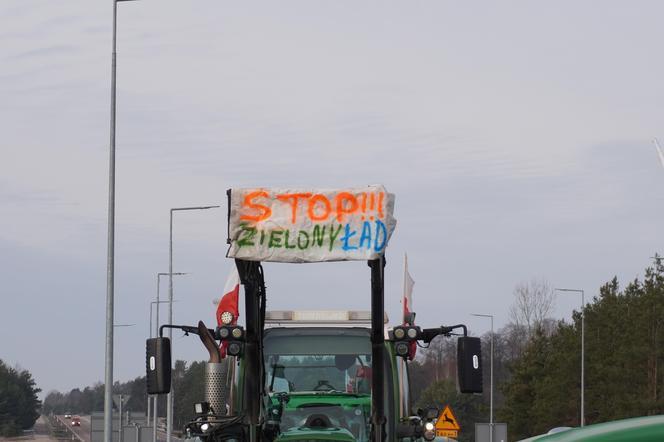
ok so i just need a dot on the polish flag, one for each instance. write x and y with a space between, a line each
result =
408 312
228 310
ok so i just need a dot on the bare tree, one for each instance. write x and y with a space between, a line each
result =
440 356
533 302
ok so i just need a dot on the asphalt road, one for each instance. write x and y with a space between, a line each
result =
83 432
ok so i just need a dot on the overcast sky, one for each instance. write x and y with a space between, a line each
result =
517 137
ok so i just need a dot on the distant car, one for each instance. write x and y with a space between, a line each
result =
67 415
76 421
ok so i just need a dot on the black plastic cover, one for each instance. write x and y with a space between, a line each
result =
158 365
469 364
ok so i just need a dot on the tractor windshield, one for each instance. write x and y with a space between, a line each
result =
325 374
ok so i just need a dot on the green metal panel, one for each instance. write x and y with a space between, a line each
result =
306 435
344 399
639 429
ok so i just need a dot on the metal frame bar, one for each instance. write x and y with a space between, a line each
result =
377 349
251 277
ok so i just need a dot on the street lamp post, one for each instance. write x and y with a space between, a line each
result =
156 327
491 392
157 301
156 333
110 257
169 397
120 401
149 414
583 339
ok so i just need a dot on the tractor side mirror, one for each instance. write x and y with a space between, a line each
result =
158 365
469 364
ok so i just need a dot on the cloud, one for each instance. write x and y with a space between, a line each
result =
42 52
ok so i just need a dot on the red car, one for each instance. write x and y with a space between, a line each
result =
76 421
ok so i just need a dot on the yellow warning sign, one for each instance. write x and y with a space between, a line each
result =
447 420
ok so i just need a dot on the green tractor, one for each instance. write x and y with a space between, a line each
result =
308 375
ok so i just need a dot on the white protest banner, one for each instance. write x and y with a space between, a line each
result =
310 225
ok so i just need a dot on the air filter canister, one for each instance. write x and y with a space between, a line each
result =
215 386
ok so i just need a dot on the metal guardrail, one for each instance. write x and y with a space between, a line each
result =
67 429
55 428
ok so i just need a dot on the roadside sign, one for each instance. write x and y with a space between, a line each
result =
447 424
120 399
483 432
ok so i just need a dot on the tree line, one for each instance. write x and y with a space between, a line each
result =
19 404
187 381
537 361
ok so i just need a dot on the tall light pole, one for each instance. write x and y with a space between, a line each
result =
157 301
120 401
148 420
491 393
169 398
156 333
110 257
583 340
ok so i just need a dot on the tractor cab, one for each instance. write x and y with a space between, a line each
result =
318 379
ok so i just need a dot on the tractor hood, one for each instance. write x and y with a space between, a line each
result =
301 434
325 416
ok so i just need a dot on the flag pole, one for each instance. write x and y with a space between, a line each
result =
405 275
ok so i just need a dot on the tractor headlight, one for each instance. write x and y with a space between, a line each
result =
234 348
224 333
399 333
429 431
202 408
402 348
227 318
237 333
